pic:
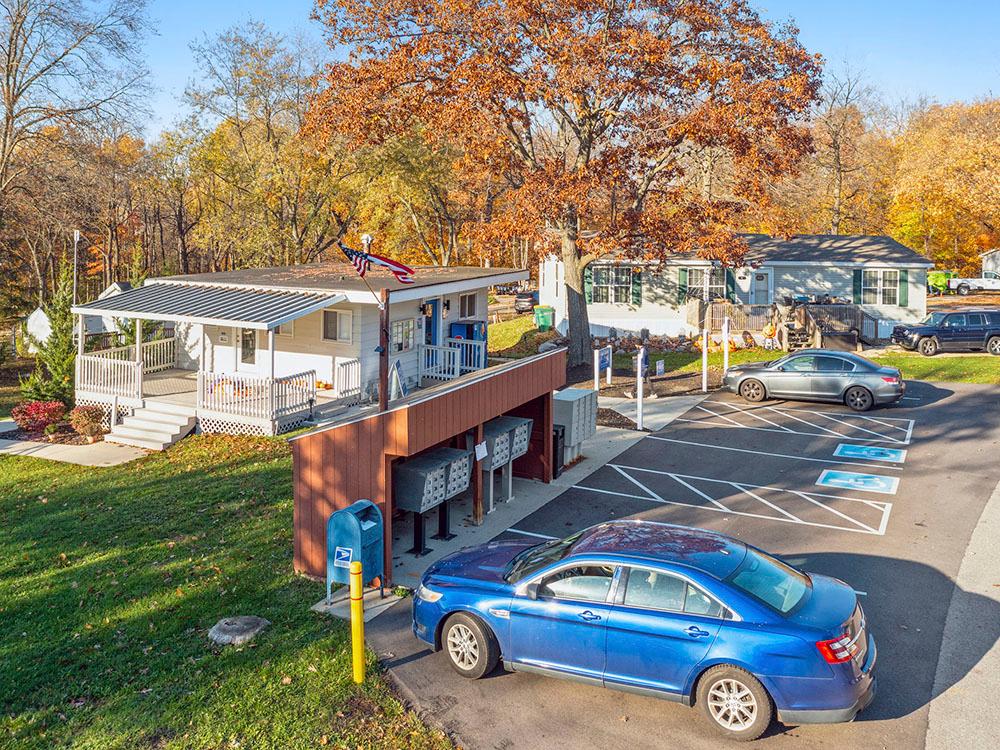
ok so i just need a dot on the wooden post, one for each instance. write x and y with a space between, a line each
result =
81 335
477 481
383 355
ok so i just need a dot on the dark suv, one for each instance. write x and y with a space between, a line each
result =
969 329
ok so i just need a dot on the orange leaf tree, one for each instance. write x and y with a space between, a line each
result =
596 113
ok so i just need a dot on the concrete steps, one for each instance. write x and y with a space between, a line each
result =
155 427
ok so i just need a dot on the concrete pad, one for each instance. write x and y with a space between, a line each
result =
657 413
339 605
963 678
97 454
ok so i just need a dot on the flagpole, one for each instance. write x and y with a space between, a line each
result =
383 335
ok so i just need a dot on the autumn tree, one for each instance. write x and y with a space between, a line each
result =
587 109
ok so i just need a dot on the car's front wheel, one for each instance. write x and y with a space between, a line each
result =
928 346
472 648
964 289
735 703
993 345
752 390
859 398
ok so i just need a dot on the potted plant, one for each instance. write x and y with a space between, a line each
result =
86 420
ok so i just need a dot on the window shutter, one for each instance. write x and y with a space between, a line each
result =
588 283
730 285
682 285
637 288
903 300
857 286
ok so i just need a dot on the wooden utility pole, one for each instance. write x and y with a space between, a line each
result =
383 349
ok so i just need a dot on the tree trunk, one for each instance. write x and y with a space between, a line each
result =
576 305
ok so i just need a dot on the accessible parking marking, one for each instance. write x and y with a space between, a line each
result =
791 505
871 453
850 480
790 456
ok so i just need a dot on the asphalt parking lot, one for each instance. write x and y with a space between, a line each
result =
886 501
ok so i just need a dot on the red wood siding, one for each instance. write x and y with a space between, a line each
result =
343 463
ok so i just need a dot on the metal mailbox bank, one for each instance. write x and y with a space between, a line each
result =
429 481
354 533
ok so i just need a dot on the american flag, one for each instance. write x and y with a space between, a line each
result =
358 259
362 261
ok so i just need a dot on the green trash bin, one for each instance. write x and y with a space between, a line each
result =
545 317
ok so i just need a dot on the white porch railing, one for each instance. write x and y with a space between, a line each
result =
158 355
255 396
439 362
293 393
347 378
110 373
472 354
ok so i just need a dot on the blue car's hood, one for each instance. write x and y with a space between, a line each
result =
828 606
485 562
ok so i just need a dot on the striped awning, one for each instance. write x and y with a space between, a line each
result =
262 309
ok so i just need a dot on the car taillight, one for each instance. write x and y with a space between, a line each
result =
891 379
837 650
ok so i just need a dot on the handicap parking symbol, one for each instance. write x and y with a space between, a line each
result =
342 557
849 480
870 453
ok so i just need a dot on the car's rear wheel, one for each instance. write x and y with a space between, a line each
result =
472 648
928 346
993 345
964 289
735 703
752 390
859 398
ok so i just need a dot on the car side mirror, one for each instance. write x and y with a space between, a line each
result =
780 368
531 591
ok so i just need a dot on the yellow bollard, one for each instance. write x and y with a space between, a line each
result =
357 622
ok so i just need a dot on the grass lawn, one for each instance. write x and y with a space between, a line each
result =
10 395
110 580
682 362
516 337
966 368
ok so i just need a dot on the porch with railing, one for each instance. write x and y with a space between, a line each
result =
454 359
254 396
119 372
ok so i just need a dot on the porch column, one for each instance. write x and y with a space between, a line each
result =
138 356
270 349
81 334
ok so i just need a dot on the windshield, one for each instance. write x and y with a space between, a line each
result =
933 319
770 581
535 558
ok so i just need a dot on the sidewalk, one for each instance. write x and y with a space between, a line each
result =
96 454
657 413
961 715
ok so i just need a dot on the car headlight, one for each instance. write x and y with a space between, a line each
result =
427 594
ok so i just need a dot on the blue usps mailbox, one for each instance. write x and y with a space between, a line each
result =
354 533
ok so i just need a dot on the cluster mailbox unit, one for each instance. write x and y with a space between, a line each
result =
429 481
507 439
575 410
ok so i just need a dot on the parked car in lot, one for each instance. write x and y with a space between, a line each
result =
818 375
967 329
668 611
525 301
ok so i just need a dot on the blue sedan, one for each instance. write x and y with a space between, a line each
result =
668 611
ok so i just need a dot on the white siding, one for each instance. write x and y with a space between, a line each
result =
839 282
991 261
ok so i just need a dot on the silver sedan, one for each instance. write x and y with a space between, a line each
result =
818 375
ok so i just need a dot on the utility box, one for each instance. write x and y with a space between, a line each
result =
354 533
520 433
576 410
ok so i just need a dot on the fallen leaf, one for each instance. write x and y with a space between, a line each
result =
286 680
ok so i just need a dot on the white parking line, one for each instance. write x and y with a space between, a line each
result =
776 455
831 436
750 413
531 533
814 498
854 426
807 422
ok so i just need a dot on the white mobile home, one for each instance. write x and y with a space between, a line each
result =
261 350
884 278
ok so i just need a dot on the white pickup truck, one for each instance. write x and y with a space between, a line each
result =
989 281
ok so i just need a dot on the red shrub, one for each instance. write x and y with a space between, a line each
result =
86 420
35 416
